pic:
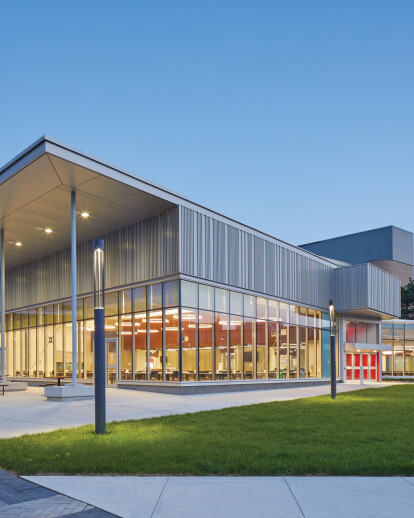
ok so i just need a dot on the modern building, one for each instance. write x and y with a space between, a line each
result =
194 300
389 248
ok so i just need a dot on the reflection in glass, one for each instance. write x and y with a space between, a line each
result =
283 350
126 341
206 297
189 343
140 334
248 339
303 352
205 342
221 332
189 294
273 341
221 300
172 340
171 293
261 354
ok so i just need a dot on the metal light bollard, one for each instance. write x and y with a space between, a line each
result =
99 352
332 348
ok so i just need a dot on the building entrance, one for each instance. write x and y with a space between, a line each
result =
369 363
110 361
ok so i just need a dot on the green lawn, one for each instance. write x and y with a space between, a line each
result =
367 432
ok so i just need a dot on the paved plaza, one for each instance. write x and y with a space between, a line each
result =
29 412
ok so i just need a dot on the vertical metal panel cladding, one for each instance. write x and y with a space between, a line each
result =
142 251
384 291
364 286
230 255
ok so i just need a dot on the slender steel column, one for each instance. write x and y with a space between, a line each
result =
74 291
2 302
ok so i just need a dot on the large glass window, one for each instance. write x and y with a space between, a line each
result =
312 357
261 350
88 348
283 350
111 303
32 352
293 351
303 352
140 346
221 300
206 297
248 351
171 293
273 341
126 340
249 306
236 303
189 343
58 342
221 348
172 335
235 326
154 296
189 294
140 299
205 341
125 302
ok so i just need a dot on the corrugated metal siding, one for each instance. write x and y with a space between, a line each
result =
366 286
384 292
139 252
220 252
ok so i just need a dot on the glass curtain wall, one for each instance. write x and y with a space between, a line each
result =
176 330
399 361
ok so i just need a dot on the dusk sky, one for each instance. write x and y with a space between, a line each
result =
295 117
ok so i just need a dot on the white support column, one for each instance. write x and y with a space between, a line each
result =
2 302
74 291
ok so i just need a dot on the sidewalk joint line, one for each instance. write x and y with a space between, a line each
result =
408 482
159 498
297 503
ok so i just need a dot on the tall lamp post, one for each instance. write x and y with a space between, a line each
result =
99 353
333 348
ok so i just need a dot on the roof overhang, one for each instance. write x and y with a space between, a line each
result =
35 193
366 313
364 348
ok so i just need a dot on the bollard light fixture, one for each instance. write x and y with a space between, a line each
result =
332 348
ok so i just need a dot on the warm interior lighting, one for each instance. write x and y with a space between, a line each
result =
48 230
18 243
85 214
171 328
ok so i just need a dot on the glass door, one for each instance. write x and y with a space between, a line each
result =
110 360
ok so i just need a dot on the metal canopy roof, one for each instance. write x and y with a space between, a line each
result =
35 194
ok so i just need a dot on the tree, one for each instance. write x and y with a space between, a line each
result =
407 301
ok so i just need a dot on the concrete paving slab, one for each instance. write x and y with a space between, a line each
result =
356 497
230 497
29 412
129 497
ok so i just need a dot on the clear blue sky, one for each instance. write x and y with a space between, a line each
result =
296 117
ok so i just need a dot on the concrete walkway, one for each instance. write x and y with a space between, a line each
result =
241 497
29 412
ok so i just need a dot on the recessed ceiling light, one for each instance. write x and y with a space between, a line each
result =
48 230
18 243
85 214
